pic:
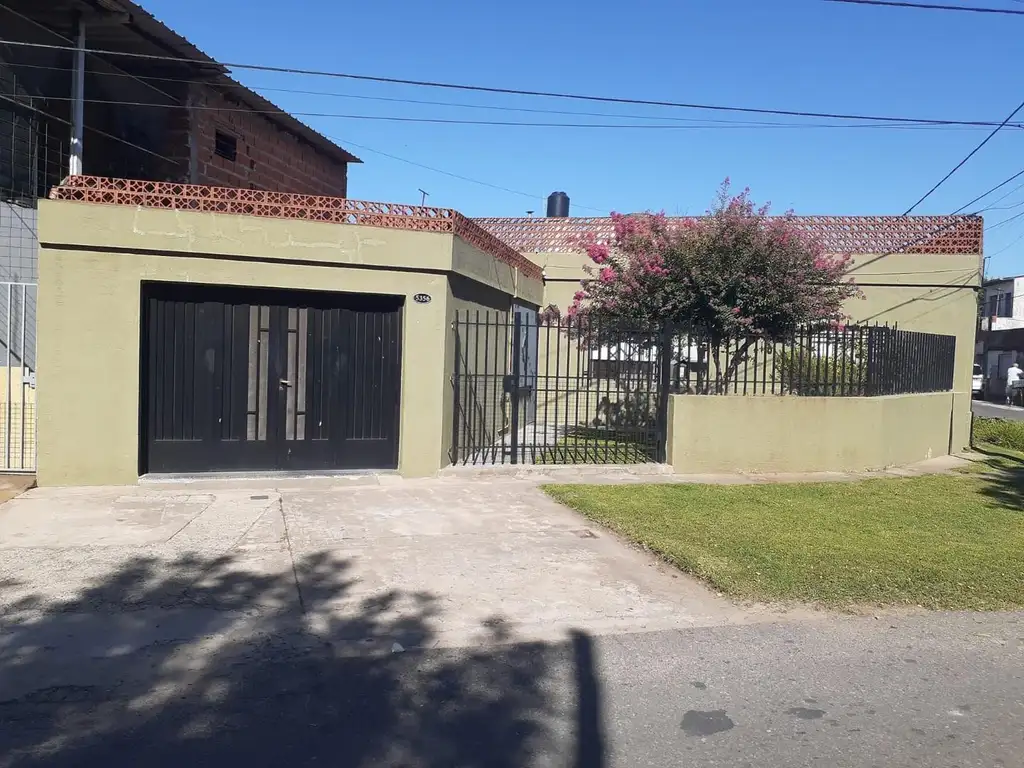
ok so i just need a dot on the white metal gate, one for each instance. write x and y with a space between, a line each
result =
17 377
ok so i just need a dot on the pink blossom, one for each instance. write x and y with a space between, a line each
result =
598 252
607 275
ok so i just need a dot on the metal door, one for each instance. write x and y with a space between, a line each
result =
249 379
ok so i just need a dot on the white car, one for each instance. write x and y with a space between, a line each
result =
978 382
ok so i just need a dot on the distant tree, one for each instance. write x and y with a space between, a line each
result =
735 274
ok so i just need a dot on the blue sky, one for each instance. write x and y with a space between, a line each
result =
790 54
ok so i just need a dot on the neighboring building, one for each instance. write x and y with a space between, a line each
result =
143 119
1002 303
1000 340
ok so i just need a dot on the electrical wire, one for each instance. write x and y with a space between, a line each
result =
930 6
56 34
1007 247
346 142
696 125
704 122
1007 220
970 154
89 128
508 91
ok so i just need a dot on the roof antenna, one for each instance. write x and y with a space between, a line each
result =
423 196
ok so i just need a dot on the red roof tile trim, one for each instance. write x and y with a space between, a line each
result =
839 234
281 205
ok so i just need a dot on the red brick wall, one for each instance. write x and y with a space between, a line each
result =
268 157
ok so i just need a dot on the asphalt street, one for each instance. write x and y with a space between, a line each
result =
995 411
938 690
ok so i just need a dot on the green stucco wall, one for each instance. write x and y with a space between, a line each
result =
94 258
722 433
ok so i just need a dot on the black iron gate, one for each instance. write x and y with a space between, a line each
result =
251 379
530 391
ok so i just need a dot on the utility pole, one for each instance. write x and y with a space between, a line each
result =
423 196
78 104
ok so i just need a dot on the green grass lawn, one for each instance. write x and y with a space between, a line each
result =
942 541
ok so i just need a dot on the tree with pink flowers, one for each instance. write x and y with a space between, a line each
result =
735 274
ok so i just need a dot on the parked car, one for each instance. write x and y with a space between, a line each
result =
978 382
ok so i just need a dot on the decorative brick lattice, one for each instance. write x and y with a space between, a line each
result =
281 205
839 234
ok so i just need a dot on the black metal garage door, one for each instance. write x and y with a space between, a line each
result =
250 379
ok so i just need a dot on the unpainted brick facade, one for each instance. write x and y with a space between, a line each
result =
267 156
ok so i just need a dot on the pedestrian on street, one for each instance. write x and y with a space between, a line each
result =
1013 375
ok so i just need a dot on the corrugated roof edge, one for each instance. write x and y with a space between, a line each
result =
180 46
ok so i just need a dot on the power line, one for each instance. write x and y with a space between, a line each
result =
56 34
1001 184
514 91
1006 247
930 6
1007 220
346 142
704 122
97 131
691 125
970 154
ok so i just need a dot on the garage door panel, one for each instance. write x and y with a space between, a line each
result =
244 379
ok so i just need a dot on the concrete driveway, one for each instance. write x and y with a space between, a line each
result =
438 563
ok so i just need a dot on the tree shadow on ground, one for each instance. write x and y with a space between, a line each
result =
203 662
1002 476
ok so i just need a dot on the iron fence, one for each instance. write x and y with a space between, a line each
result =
561 392
822 361
17 377
568 391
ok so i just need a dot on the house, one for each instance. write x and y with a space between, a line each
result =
1000 340
263 331
141 119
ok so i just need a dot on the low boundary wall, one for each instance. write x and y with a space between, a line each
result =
721 433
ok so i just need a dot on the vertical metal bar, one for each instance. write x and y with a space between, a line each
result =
746 368
503 320
607 396
664 372
535 405
481 384
7 344
555 432
517 339
798 350
24 369
843 361
75 163
457 391
775 370
580 387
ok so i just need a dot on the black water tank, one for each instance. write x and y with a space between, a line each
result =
558 205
